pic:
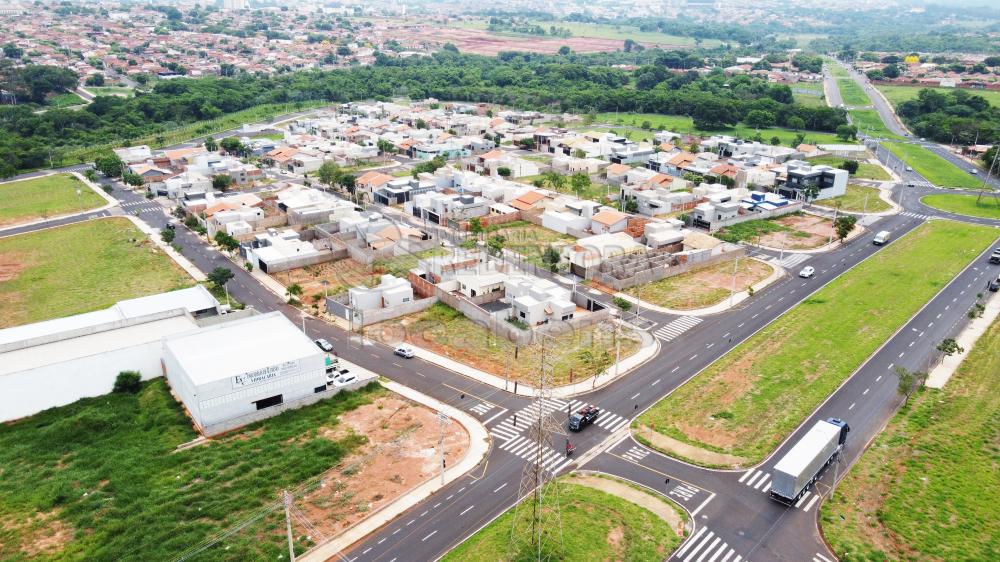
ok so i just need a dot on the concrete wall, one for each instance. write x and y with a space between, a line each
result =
336 306
688 262
753 215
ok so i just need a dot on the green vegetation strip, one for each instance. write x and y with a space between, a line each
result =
858 199
936 169
928 488
595 526
45 197
986 206
898 94
684 124
866 170
868 121
852 94
103 478
749 400
79 268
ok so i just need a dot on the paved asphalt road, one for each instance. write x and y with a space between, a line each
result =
732 515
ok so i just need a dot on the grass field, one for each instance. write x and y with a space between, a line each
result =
858 199
748 401
572 355
928 488
594 191
43 197
597 526
100 480
836 69
937 170
79 268
603 31
810 99
965 204
111 91
866 170
528 239
683 124
852 94
66 99
703 287
899 94
868 121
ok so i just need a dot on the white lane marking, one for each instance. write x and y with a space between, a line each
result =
745 474
424 513
367 550
755 477
811 502
689 542
502 412
761 481
502 486
692 358
866 391
412 521
381 541
709 549
438 504
902 354
636 396
656 382
802 500
703 504
726 335
741 325
675 369
434 532
851 407
397 530
695 550
709 346
466 510
878 378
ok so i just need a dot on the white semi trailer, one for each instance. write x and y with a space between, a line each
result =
802 465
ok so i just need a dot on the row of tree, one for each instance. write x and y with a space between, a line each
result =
955 116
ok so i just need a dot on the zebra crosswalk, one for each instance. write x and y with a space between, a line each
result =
525 448
761 481
636 453
915 215
684 492
791 260
820 558
482 407
671 330
706 546
513 425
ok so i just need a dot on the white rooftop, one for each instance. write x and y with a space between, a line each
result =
224 350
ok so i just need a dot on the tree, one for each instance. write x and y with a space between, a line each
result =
759 119
210 144
503 172
329 173
949 347
294 290
386 147
646 125
167 235
110 165
495 245
555 180
810 192
579 181
231 145
221 182
135 180
475 226
350 183
564 50
847 132
795 123
220 276
850 165
127 382
90 174
908 382
890 71
526 143
95 80
775 140
622 304
551 258
226 241
844 224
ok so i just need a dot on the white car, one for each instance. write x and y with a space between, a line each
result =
807 272
344 379
404 351
332 376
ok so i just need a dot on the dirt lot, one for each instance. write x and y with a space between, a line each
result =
805 232
401 453
341 274
486 43
703 287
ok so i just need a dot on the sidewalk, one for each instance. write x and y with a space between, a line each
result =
110 202
976 327
479 447
723 306
649 349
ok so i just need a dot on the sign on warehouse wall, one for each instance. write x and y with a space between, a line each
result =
265 374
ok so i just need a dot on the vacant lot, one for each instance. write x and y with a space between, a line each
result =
986 207
866 170
596 526
748 401
47 196
529 240
858 199
928 488
898 94
66 99
797 231
684 124
937 170
703 287
80 268
100 479
572 356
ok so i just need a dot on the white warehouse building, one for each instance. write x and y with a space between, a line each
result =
238 372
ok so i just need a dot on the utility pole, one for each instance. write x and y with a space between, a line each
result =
732 292
288 525
445 420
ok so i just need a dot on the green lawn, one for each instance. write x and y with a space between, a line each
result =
99 479
43 197
603 31
79 268
937 170
66 99
683 124
594 191
748 401
852 94
809 100
869 121
836 69
866 170
858 199
589 519
899 94
111 91
574 355
965 204
929 487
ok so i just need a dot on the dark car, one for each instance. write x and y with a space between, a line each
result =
994 285
583 417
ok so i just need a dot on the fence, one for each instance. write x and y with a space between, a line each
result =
339 307
756 215
683 263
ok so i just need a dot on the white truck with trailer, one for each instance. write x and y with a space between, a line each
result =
804 463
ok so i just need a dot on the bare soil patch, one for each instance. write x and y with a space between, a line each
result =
686 451
485 43
401 454
705 286
807 232
341 275
11 264
40 534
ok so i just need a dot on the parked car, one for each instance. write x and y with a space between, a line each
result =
995 257
807 272
909 169
994 285
324 344
332 377
583 417
344 379
974 172
881 238
404 351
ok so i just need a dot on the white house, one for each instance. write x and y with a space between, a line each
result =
391 291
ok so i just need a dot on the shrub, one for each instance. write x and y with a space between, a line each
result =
127 382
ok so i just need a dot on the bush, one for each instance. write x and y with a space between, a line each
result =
127 382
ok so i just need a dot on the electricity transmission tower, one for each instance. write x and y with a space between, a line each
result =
989 171
537 522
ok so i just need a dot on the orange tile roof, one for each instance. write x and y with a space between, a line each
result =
682 159
609 217
374 179
618 169
492 155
